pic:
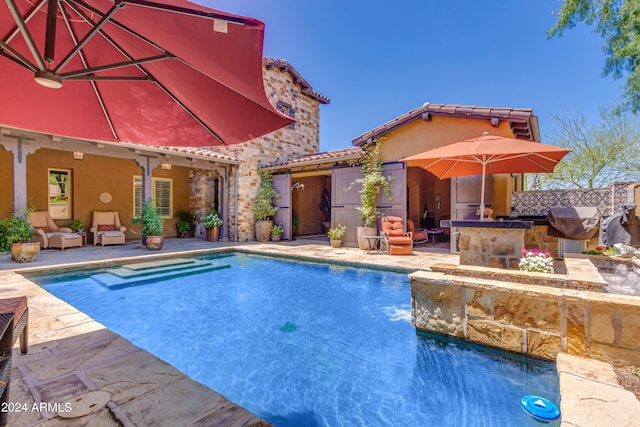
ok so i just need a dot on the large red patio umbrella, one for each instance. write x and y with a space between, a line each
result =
166 72
488 154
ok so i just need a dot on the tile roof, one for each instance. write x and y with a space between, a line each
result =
523 122
195 152
342 155
297 78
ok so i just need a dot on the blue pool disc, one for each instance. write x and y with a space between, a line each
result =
540 408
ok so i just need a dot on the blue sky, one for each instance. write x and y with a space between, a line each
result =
379 59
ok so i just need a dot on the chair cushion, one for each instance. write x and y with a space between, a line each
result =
106 227
420 235
400 240
111 233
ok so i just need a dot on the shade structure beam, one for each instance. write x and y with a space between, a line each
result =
85 64
73 75
187 110
50 31
16 57
102 22
22 26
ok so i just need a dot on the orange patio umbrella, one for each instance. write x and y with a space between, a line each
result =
488 154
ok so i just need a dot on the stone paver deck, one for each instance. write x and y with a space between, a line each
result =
75 365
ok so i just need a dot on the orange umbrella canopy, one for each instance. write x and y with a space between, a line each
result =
488 154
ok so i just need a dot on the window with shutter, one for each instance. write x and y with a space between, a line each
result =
162 192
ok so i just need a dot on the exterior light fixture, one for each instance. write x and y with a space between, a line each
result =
48 79
165 166
78 155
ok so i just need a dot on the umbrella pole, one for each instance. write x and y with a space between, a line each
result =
484 165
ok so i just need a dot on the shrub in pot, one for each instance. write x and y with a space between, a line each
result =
372 182
152 226
16 235
212 223
263 207
276 232
186 225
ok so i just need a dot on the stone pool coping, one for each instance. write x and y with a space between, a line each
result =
71 353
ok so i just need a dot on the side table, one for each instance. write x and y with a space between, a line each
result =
374 243
83 235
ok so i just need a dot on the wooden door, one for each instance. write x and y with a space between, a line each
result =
465 200
345 199
282 186
397 205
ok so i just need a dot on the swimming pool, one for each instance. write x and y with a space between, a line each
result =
312 345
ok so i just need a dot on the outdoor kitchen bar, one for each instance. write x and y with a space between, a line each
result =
490 243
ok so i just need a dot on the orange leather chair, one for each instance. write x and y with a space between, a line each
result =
397 241
419 235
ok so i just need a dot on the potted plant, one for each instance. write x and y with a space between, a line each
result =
295 222
263 207
276 232
212 223
186 225
152 226
76 226
336 234
372 182
16 235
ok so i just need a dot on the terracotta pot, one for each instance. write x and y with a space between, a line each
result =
365 231
155 243
263 230
275 238
213 234
25 252
336 243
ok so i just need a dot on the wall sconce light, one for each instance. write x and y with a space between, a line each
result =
78 155
165 166
514 175
297 186
438 201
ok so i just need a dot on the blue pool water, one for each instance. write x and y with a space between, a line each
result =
312 345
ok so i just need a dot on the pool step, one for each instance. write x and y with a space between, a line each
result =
155 271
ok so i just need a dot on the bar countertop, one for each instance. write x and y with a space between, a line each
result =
487 224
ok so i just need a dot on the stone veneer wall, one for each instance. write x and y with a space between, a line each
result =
538 238
535 320
281 145
491 247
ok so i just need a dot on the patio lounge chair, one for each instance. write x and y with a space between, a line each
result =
49 235
19 307
106 228
419 235
396 240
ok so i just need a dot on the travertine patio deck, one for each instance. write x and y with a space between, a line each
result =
75 365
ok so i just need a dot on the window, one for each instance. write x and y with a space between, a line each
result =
60 193
162 196
288 110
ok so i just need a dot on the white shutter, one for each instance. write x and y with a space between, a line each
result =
163 197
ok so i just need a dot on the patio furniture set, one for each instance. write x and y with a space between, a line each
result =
393 240
106 230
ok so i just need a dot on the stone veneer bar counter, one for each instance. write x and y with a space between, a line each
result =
491 243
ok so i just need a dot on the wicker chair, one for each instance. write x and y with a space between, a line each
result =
50 235
20 309
106 228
